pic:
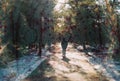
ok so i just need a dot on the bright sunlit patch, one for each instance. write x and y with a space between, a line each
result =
61 4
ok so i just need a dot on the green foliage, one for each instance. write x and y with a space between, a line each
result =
21 26
88 17
7 56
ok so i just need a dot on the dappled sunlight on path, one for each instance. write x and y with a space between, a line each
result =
74 67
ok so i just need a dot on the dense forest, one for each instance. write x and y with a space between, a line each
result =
30 26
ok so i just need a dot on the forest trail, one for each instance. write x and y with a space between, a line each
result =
75 67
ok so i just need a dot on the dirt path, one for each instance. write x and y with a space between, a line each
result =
75 67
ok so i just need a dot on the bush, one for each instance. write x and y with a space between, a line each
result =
7 55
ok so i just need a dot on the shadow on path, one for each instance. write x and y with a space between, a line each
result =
73 67
65 59
45 72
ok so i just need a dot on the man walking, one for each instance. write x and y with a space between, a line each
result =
64 43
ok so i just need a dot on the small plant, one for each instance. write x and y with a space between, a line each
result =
7 55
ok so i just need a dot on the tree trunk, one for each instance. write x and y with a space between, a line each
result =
40 38
100 36
14 37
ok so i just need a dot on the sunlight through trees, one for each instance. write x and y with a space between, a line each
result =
33 26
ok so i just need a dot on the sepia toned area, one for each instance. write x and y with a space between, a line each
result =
59 40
